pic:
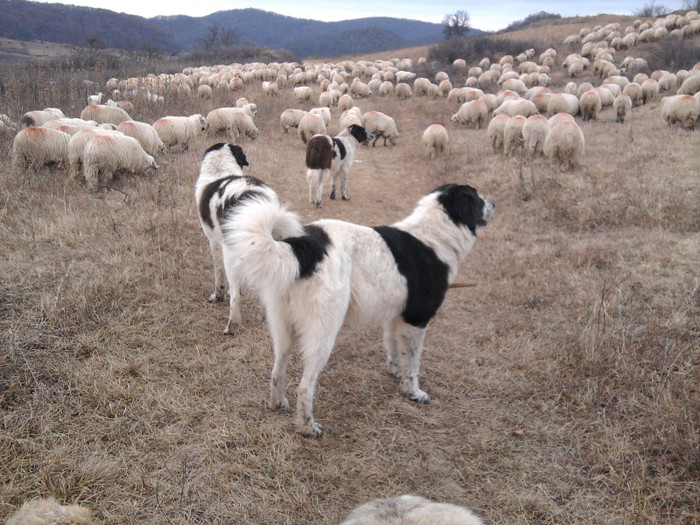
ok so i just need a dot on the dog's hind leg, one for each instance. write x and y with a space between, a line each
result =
404 345
219 272
316 178
234 292
282 338
341 177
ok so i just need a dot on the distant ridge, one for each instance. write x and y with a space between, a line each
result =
84 26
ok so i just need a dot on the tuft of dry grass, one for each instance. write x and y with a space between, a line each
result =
564 385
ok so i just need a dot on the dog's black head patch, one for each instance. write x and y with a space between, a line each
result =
360 134
238 154
462 204
215 147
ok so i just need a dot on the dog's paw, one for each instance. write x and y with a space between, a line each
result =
232 328
333 196
313 430
345 198
419 397
214 298
282 405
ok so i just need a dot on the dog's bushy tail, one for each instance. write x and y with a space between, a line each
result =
253 235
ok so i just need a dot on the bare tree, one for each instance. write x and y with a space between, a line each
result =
210 39
456 24
229 37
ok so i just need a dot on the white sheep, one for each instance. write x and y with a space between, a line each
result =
562 103
622 106
204 91
40 117
76 147
421 86
179 130
290 118
495 131
39 146
590 105
535 132
345 102
380 125
49 512
145 134
515 107
403 90
104 114
310 124
683 109
104 155
302 93
350 117
359 89
95 99
237 121
513 134
435 139
634 91
560 117
71 125
515 84
564 144
386 88
667 83
270 88
324 113
474 112
690 85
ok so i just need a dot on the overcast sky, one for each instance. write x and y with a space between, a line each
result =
486 15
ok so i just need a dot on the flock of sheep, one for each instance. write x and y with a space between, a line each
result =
510 97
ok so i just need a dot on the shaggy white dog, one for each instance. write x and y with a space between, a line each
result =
410 510
328 156
331 271
221 187
50 512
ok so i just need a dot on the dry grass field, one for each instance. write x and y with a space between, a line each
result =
564 386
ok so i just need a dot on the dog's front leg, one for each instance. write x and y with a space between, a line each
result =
408 349
234 314
219 272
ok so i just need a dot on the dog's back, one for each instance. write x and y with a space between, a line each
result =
319 153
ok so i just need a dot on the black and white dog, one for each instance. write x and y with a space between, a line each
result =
332 156
220 188
332 271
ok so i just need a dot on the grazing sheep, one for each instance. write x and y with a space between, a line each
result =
403 90
667 83
495 131
512 108
38 118
39 146
71 125
683 109
435 139
204 92
290 118
650 90
535 132
560 117
622 106
386 88
324 113
381 126
237 121
444 87
515 84
410 510
541 101
350 117
359 89
104 114
590 105
310 124
49 512
564 144
513 134
562 103
474 112
635 93
174 130
270 88
690 85
606 96
106 154
345 102
421 86
76 147
145 134
302 93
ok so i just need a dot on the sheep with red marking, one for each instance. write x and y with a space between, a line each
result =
590 105
145 134
622 107
522 107
564 144
179 130
495 131
682 109
513 134
562 103
39 146
237 121
76 147
310 124
290 118
435 139
473 113
105 155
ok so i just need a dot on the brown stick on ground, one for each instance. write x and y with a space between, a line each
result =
462 285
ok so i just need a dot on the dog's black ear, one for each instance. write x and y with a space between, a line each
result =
358 132
462 204
238 154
